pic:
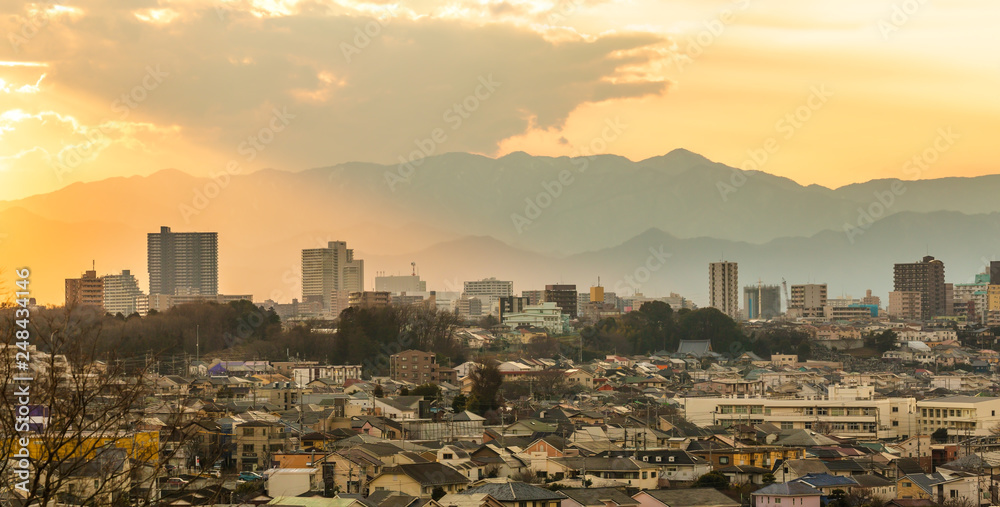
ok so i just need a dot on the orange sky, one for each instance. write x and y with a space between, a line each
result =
95 89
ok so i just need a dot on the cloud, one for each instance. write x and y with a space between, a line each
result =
360 87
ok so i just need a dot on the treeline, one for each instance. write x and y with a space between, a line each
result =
370 335
241 330
657 327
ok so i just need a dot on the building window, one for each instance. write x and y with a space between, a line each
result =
724 460
247 432
777 500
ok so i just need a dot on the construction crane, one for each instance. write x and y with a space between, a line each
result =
784 285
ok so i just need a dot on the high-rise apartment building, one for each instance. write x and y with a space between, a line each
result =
906 305
807 300
724 288
183 263
121 294
761 301
927 278
329 269
86 290
564 296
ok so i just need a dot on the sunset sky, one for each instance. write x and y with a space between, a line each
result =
100 88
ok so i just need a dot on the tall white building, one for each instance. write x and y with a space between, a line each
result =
724 288
489 290
121 294
400 283
334 268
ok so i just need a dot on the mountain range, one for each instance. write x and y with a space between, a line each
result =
535 220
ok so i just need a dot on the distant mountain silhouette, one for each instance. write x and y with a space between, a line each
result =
533 219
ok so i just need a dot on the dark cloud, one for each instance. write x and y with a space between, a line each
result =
354 95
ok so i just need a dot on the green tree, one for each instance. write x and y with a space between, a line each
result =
459 403
940 435
379 392
486 383
712 480
437 493
428 391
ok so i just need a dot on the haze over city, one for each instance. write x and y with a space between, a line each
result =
499 253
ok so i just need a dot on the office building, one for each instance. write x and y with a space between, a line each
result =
927 278
853 412
564 296
183 263
761 302
597 294
400 284
547 315
512 304
121 294
329 269
86 290
962 416
492 288
994 272
724 288
534 296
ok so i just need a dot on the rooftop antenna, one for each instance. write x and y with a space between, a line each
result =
414 266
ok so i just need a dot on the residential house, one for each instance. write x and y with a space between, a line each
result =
517 494
785 494
419 479
686 497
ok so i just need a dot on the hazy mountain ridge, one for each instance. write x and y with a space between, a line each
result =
453 217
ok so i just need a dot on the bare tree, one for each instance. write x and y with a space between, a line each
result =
72 420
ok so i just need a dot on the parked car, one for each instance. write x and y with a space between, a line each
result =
175 483
248 477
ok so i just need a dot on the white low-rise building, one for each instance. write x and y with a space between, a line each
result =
545 315
850 412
